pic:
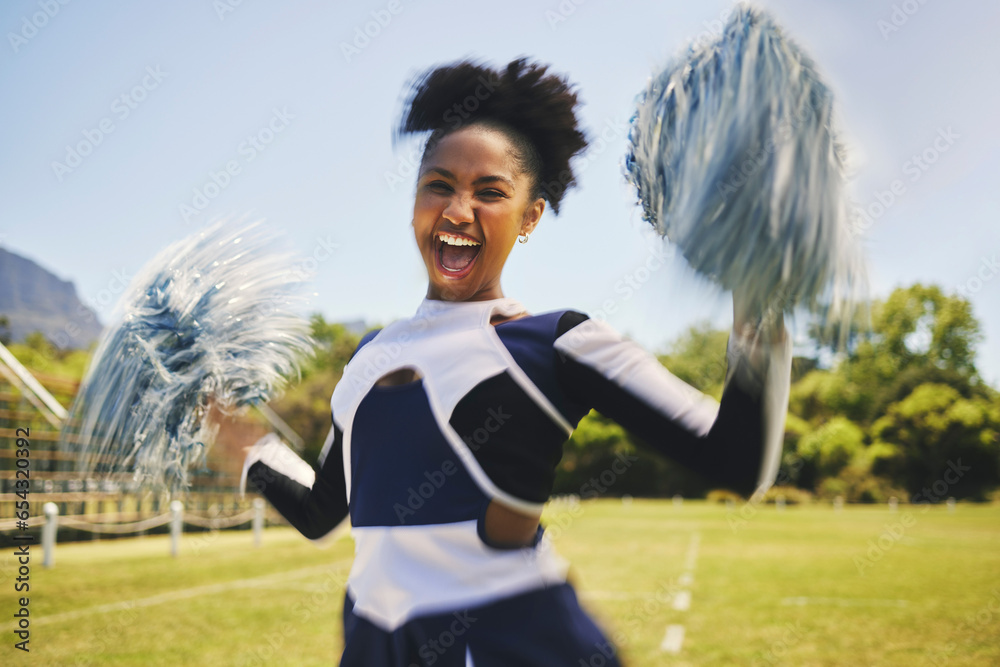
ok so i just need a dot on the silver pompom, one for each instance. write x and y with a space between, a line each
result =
735 160
210 319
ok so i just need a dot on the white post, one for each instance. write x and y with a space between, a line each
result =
49 534
779 503
258 520
951 505
176 522
893 504
678 500
838 503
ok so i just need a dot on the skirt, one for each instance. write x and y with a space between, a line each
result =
545 627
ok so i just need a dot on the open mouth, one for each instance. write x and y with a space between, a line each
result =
456 255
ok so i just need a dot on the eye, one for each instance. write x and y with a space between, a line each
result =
439 186
493 194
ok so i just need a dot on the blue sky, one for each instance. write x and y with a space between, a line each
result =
200 78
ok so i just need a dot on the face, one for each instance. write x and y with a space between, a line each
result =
472 203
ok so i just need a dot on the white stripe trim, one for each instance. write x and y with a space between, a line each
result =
278 456
777 386
528 386
470 462
346 434
402 572
599 346
330 437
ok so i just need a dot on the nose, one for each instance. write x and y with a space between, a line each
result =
459 209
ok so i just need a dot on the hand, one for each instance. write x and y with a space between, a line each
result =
763 323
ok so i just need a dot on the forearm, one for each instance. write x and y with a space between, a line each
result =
758 379
312 503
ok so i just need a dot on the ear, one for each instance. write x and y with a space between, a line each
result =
532 214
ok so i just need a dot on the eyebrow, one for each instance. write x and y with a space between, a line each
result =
479 181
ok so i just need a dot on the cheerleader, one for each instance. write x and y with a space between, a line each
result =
448 425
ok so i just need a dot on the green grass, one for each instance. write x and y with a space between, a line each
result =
931 598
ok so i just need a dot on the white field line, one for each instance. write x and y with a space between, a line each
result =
692 552
673 640
616 595
844 602
186 593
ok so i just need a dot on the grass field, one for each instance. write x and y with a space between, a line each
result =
806 586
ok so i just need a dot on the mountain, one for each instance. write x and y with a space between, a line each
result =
34 299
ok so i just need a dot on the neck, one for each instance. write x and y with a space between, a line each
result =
487 293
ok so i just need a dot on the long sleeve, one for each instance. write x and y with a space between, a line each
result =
735 442
313 501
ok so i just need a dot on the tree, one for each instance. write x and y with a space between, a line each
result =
831 447
306 406
698 357
915 327
936 443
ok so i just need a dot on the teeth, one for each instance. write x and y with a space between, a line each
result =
457 240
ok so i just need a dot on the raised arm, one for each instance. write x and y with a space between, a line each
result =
736 443
313 500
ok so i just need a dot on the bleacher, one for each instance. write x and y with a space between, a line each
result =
92 507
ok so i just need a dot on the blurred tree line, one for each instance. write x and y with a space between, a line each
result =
902 411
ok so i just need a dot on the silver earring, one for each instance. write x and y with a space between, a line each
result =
523 238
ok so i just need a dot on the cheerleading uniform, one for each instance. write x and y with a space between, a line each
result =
416 465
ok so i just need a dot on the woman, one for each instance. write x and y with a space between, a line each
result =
448 425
